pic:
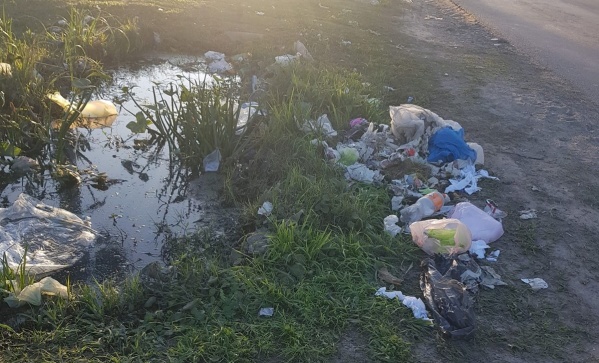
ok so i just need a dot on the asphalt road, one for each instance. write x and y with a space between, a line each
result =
562 35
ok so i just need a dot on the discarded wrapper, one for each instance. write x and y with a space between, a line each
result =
536 283
268 312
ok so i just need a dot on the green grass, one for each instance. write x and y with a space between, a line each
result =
319 284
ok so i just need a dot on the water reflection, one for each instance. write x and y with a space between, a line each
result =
133 194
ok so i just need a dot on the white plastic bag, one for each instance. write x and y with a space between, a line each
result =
482 226
212 161
444 236
32 294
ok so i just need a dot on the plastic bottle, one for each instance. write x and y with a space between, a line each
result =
424 207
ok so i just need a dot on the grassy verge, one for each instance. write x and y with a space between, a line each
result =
325 244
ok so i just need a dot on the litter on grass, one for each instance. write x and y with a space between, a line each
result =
536 283
528 214
265 209
268 312
391 226
416 304
32 294
322 126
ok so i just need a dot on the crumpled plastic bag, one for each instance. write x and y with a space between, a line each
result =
447 145
412 125
449 302
414 303
360 172
391 227
55 238
32 294
322 126
217 62
211 161
468 181
481 225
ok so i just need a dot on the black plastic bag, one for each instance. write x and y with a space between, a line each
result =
448 299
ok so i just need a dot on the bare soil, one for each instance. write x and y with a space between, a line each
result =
540 137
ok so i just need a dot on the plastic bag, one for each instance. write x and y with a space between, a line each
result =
212 161
55 238
447 145
412 125
442 236
481 225
32 294
449 302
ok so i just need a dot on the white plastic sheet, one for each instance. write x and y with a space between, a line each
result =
55 238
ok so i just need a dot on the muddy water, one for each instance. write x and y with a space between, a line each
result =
147 197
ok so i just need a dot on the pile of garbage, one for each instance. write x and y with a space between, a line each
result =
419 140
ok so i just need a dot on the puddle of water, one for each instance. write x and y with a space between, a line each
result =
148 198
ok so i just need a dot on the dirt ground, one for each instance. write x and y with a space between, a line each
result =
540 137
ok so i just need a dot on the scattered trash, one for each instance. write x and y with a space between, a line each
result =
387 277
493 256
360 172
268 312
347 155
286 59
412 125
447 144
424 207
246 112
536 283
301 49
266 209
217 62
528 214
478 248
95 114
212 55
32 294
23 165
430 17
256 243
396 202
5 70
481 225
55 238
322 126
534 188
492 210
358 122
416 304
469 180
390 225
410 99
211 161
345 42
260 13
480 153
441 236
450 303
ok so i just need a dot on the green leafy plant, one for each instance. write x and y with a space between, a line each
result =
192 117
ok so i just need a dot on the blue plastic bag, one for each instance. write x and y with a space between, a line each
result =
447 145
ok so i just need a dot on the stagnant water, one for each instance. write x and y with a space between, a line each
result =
147 197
